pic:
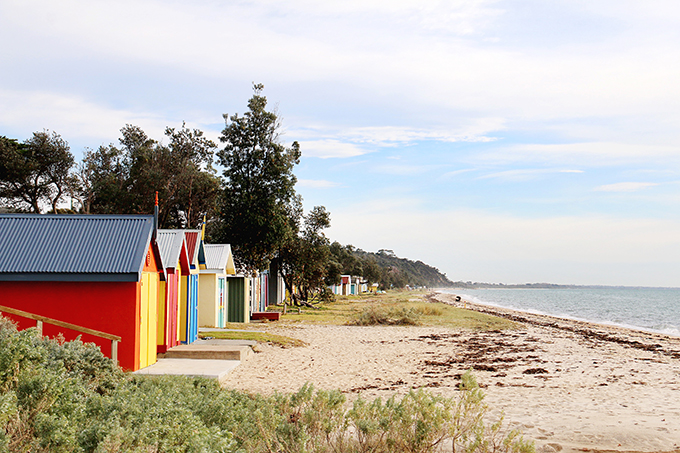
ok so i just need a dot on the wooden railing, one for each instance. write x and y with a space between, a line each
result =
67 325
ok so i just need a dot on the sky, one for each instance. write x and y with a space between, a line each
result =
499 141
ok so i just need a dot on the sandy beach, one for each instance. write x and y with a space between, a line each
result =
568 385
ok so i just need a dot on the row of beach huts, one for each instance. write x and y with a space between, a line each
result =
122 283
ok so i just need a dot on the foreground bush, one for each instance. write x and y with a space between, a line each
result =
68 397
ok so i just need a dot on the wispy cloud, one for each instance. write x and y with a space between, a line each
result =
325 142
393 135
451 174
583 154
526 174
625 187
402 169
71 116
328 148
317 183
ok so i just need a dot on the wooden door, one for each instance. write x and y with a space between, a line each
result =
148 324
222 310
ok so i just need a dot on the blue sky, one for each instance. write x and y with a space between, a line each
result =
501 141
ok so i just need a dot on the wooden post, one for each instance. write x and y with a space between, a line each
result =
114 351
39 326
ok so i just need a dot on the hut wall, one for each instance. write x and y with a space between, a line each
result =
109 307
208 302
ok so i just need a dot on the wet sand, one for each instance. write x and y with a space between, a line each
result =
568 385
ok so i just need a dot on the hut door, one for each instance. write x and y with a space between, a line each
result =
192 309
222 311
236 295
147 330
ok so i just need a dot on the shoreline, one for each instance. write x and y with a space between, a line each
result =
462 292
568 385
641 338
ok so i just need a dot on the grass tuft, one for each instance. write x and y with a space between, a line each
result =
260 337
375 315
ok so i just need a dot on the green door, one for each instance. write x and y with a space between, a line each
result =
236 297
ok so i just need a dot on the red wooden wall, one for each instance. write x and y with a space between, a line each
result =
171 299
111 307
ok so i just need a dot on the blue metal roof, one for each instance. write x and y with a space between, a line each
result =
39 247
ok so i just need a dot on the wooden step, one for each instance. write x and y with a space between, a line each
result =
268 315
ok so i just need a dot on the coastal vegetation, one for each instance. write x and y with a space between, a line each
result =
389 308
60 396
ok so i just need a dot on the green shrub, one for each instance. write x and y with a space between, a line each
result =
68 397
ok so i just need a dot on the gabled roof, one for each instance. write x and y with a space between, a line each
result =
218 258
35 247
173 248
195 247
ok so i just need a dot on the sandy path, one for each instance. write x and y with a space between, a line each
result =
568 385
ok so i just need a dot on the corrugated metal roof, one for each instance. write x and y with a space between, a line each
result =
170 245
218 257
73 247
192 244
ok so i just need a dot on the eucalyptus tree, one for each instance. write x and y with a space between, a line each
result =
305 259
124 179
35 174
258 211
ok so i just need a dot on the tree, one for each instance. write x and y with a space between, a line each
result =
344 262
104 178
371 270
124 180
36 172
304 258
259 210
193 187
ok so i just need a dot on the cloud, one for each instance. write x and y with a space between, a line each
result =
394 135
425 62
402 170
316 183
583 154
451 174
71 116
326 141
525 174
625 187
328 148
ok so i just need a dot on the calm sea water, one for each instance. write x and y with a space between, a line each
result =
651 309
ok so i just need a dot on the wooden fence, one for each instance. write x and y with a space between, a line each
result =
67 325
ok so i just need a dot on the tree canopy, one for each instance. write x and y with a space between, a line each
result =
35 174
304 259
124 179
258 210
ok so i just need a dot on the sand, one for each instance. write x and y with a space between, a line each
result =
568 385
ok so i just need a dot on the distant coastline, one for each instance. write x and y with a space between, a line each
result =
483 285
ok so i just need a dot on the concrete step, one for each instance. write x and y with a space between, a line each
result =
211 369
212 350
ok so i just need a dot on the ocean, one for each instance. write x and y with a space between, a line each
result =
649 309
